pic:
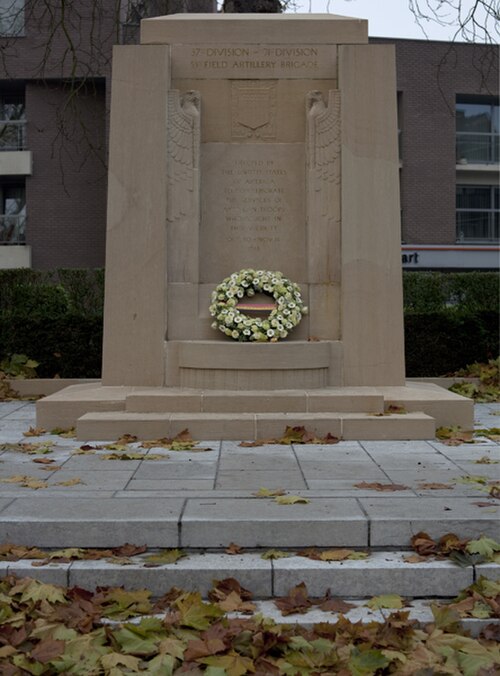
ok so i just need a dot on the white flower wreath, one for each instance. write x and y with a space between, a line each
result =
287 312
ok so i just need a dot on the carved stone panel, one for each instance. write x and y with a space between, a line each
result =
253 110
323 185
253 209
183 184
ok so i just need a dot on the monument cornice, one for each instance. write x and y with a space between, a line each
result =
242 28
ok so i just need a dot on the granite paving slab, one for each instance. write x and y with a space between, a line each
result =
93 522
94 479
264 523
175 470
149 486
195 572
349 486
491 471
247 461
393 520
336 470
380 573
255 479
413 447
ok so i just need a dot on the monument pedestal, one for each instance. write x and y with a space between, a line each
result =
229 365
101 412
266 142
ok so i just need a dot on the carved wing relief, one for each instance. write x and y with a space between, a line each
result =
323 148
183 148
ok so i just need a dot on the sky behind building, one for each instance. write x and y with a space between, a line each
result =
393 18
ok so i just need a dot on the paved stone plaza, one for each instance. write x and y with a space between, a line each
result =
206 499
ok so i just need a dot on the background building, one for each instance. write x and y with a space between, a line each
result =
53 134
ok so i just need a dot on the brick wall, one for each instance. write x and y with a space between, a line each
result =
430 75
66 195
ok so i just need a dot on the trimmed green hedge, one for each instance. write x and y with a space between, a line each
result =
467 292
438 343
55 317
45 292
68 345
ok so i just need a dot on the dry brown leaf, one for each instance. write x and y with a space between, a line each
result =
310 553
414 558
423 544
234 603
231 596
163 442
198 648
486 460
435 486
70 482
15 479
47 650
183 436
233 548
127 439
495 492
291 500
34 432
43 461
454 436
120 560
333 605
450 542
297 601
129 550
25 481
376 486
34 484
396 409
335 554
10 552
269 492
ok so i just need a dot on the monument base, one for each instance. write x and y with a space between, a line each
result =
231 365
355 413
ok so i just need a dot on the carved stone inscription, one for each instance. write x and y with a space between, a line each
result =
253 213
254 61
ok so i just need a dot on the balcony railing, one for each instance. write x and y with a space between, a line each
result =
12 134
12 229
477 148
477 225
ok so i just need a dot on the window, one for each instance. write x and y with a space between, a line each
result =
12 122
478 126
11 18
13 213
478 209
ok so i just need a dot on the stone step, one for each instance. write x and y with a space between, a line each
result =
236 426
380 522
383 572
337 400
419 611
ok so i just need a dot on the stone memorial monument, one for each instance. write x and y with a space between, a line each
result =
263 142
